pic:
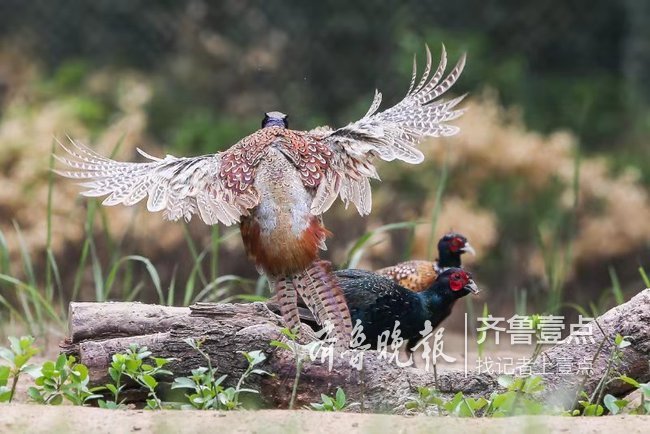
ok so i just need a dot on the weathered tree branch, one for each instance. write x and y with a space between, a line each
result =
98 330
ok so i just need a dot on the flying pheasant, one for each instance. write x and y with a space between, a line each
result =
418 275
277 182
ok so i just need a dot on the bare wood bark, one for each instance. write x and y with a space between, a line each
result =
98 330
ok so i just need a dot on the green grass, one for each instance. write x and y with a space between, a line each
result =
557 251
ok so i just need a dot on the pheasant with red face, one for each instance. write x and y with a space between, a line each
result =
418 275
277 182
378 302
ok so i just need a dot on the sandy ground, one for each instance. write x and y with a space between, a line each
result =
25 418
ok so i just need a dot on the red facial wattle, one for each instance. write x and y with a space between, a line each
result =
456 244
456 283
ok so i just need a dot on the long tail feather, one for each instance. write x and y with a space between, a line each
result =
323 296
287 299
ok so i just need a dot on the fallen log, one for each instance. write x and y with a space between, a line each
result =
98 330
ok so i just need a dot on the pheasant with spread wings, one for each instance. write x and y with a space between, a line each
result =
277 182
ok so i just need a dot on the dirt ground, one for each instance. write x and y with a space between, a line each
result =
26 418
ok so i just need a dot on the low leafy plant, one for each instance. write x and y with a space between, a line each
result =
591 405
292 346
63 379
587 408
615 405
20 351
206 391
517 399
131 365
427 399
328 403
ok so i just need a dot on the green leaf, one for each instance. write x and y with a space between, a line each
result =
5 393
610 403
81 371
7 354
35 395
411 405
183 383
280 344
114 373
340 398
111 388
614 405
4 374
505 381
32 370
219 380
160 362
14 343
61 362
629 380
289 334
132 365
327 400
533 384
593 410
149 381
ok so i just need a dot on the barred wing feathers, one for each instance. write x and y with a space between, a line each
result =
392 134
180 187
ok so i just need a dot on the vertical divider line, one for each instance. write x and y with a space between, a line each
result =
465 344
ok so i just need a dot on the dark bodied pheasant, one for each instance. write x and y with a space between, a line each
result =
378 302
418 275
277 182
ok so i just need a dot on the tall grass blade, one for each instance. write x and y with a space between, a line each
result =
85 249
214 253
49 291
214 287
153 274
437 207
194 252
644 276
191 281
171 289
616 286
36 316
12 310
358 249
98 275
262 288
56 283
38 300
4 254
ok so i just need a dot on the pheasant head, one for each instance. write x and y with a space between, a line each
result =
450 247
275 119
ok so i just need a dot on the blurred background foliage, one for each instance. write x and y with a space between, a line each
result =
548 178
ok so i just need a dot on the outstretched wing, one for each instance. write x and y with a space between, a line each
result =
180 187
391 134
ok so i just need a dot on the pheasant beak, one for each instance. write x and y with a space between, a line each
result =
467 248
472 287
